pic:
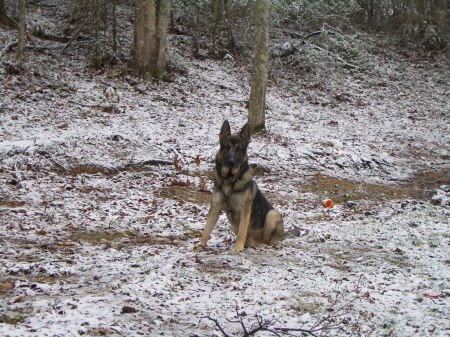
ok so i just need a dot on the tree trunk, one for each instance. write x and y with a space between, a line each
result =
229 25
150 33
162 19
257 103
97 47
195 32
217 17
114 27
22 30
4 18
440 10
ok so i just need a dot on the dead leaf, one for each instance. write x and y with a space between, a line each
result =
202 186
398 251
19 299
177 163
197 160
63 126
126 309
41 232
175 182
5 287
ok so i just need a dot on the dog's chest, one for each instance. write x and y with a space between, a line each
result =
236 202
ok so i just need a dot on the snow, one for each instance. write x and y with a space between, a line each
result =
86 228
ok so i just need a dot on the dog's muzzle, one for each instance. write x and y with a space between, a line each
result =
230 173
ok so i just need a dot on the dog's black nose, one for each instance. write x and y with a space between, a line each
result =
231 163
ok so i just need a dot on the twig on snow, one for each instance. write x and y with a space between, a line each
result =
154 162
8 47
216 322
307 331
77 32
340 59
334 29
50 157
319 32
330 31
260 325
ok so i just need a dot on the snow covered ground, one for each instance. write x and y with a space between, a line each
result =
104 193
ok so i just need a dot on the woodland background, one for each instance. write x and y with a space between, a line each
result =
106 170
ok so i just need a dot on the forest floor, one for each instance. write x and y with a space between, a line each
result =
104 192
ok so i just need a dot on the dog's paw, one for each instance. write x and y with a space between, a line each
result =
237 248
198 248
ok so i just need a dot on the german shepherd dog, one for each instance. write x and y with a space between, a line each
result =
252 217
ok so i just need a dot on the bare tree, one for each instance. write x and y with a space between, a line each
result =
4 18
22 30
223 21
257 103
97 44
114 27
150 33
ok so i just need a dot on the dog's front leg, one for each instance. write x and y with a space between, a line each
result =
217 204
243 228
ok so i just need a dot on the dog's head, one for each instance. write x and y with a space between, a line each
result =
233 150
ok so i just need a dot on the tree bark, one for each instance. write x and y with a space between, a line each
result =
217 17
97 47
150 33
229 25
195 32
4 18
22 30
114 27
440 15
257 103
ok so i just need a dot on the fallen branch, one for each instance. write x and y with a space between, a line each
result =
153 162
336 317
260 325
330 30
333 29
337 57
216 322
292 34
86 105
41 34
77 32
50 157
8 47
307 331
15 43
8 21
317 33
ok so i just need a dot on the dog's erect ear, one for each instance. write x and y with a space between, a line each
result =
245 133
224 131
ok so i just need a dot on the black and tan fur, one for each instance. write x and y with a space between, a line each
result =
252 217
